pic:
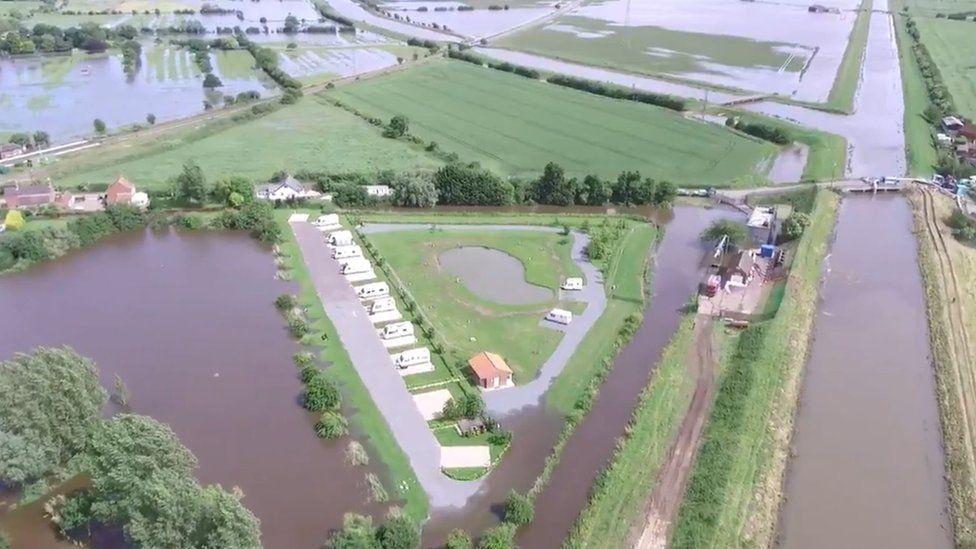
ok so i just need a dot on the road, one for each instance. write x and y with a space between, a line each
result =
509 400
375 368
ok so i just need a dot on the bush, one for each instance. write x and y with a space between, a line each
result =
616 92
518 509
298 327
321 394
458 539
303 359
499 438
286 302
190 222
397 532
794 225
331 425
763 131
398 127
499 537
307 372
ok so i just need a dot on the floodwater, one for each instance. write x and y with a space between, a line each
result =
188 322
868 470
342 61
789 163
31 99
675 277
479 23
492 275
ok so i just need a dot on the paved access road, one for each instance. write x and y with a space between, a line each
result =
374 366
505 401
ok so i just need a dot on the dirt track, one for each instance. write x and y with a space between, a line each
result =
669 488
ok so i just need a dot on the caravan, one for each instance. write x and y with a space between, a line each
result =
381 305
560 316
343 252
356 265
395 330
574 283
326 222
340 238
412 357
373 291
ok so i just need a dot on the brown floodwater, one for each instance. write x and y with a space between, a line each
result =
675 277
868 469
188 322
492 275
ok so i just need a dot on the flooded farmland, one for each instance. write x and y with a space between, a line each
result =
868 469
492 275
188 322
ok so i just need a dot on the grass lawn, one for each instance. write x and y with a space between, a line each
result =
309 135
849 74
735 489
402 482
516 125
628 47
920 150
236 65
471 324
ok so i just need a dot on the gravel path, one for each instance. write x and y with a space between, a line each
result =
505 401
372 362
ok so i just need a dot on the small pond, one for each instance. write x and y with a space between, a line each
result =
492 275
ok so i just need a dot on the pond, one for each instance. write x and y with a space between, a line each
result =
492 275
188 322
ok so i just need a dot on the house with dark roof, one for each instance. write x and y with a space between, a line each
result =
34 195
288 188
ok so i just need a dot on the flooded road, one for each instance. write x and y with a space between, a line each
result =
868 470
188 322
675 277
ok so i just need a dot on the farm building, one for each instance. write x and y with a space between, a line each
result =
10 150
122 191
27 196
287 188
491 370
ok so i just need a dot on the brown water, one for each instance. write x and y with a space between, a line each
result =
675 277
492 275
868 470
188 322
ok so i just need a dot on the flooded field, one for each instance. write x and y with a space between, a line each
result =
761 46
473 23
188 322
492 275
788 165
63 95
312 64
868 469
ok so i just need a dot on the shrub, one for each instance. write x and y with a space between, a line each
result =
499 537
458 539
321 394
794 225
499 438
303 359
462 185
397 532
331 425
518 509
286 302
307 371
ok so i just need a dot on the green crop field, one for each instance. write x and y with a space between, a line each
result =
22 6
952 45
467 322
516 125
602 43
309 135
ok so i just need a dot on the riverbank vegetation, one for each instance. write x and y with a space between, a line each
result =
842 93
735 489
919 146
948 267
139 476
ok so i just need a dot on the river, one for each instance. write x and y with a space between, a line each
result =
188 322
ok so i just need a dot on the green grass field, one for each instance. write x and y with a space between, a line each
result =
628 48
22 6
467 322
309 135
920 150
952 45
515 126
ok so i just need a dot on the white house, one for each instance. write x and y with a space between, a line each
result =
288 188
379 191
573 283
560 316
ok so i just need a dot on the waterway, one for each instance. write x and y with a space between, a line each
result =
868 469
188 322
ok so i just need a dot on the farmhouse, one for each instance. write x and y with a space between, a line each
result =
122 191
491 370
287 188
27 196
10 150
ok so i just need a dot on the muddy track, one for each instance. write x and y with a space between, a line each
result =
959 348
669 488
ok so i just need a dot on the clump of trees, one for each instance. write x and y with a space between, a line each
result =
471 185
398 127
414 190
257 218
760 130
267 60
469 405
358 532
938 92
963 227
735 232
794 225
519 509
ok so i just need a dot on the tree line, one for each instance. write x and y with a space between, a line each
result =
939 97
758 129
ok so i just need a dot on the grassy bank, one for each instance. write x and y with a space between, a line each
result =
735 490
953 359
849 74
616 502
919 148
366 419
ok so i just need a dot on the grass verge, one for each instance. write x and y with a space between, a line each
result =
849 73
920 152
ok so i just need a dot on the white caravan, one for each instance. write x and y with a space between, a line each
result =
373 291
560 316
343 252
397 329
356 265
412 357
340 238
326 221
574 283
382 305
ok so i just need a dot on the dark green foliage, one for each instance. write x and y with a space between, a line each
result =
308 371
468 405
286 302
762 131
267 60
604 238
398 127
99 125
616 92
303 359
631 189
499 437
190 222
963 226
256 217
191 183
593 191
414 190
518 509
499 537
736 232
357 532
398 533
321 394
298 326
211 81
459 184
553 187
939 95
794 225
331 425
352 196
227 186
125 217
458 539
25 246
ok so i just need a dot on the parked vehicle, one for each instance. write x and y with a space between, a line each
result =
397 329
560 316
574 283
382 305
412 357
373 290
356 265
342 252
327 220
340 238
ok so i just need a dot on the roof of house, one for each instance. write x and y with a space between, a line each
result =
743 261
123 182
488 365
29 190
11 147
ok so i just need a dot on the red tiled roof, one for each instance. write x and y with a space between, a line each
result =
488 365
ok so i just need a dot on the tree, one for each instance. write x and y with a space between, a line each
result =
99 125
291 24
42 139
458 539
553 187
191 183
625 188
227 186
211 81
593 191
151 119
357 532
736 232
120 393
22 139
469 185
397 532
398 127
499 537
14 220
331 425
518 509
321 394
794 225
414 190
664 193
